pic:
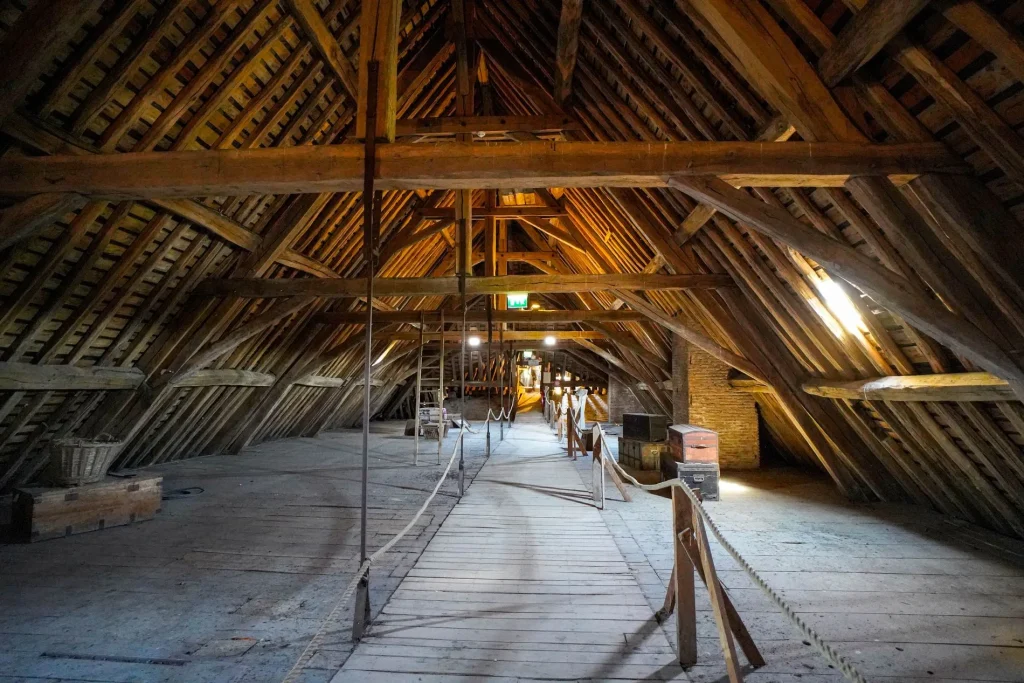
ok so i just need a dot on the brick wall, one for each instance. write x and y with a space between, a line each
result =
621 400
730 413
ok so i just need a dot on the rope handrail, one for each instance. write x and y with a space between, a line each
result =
503 415
314 643
827 651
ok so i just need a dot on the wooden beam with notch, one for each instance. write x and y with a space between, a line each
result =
865 35
320 36
337 288
452 125
378 42
566 48
962 386
339 168
476 317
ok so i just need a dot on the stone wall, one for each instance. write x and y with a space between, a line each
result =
730 413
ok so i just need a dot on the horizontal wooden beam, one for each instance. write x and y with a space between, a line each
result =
748 385
342 288
509 335
451 125
225 377
339 168
496 212
321 381
476 317
30 377
962 386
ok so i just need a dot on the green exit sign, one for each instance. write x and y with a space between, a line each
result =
517 299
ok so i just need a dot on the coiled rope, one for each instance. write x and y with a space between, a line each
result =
827 651
317 639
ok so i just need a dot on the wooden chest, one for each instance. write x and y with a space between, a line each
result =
641 455
693 444
43 513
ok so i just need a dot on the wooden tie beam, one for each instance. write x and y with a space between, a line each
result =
340 288
339 168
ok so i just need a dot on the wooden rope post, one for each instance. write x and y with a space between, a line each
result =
692 552
683 583
717 600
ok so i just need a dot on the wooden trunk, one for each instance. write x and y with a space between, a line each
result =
642 455
43 513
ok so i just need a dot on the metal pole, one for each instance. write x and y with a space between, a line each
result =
501 373
440 395
371 217
419 393
467 243
488 375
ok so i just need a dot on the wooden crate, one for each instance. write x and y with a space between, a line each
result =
642 455
43 513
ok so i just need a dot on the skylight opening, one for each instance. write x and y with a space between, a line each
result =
842 308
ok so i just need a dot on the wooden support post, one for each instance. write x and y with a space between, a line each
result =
685 597
717 595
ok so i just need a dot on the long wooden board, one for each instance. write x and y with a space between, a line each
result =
339 168
339 288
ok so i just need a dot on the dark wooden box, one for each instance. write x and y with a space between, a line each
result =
44 513
700 475
644 426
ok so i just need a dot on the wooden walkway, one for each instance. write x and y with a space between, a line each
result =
522 581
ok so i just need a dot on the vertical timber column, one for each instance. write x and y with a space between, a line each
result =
371 214
375 119
680 380
463 198
686 602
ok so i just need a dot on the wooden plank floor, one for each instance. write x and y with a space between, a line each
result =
522 581
226 585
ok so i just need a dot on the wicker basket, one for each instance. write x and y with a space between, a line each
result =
74 462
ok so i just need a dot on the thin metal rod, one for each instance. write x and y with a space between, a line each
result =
369 238
440 396
487 375
419 393
466 232
501 372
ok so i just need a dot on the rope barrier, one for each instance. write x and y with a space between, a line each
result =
503 415
827 651
315 642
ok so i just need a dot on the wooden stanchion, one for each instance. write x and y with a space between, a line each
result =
685 599
692 553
